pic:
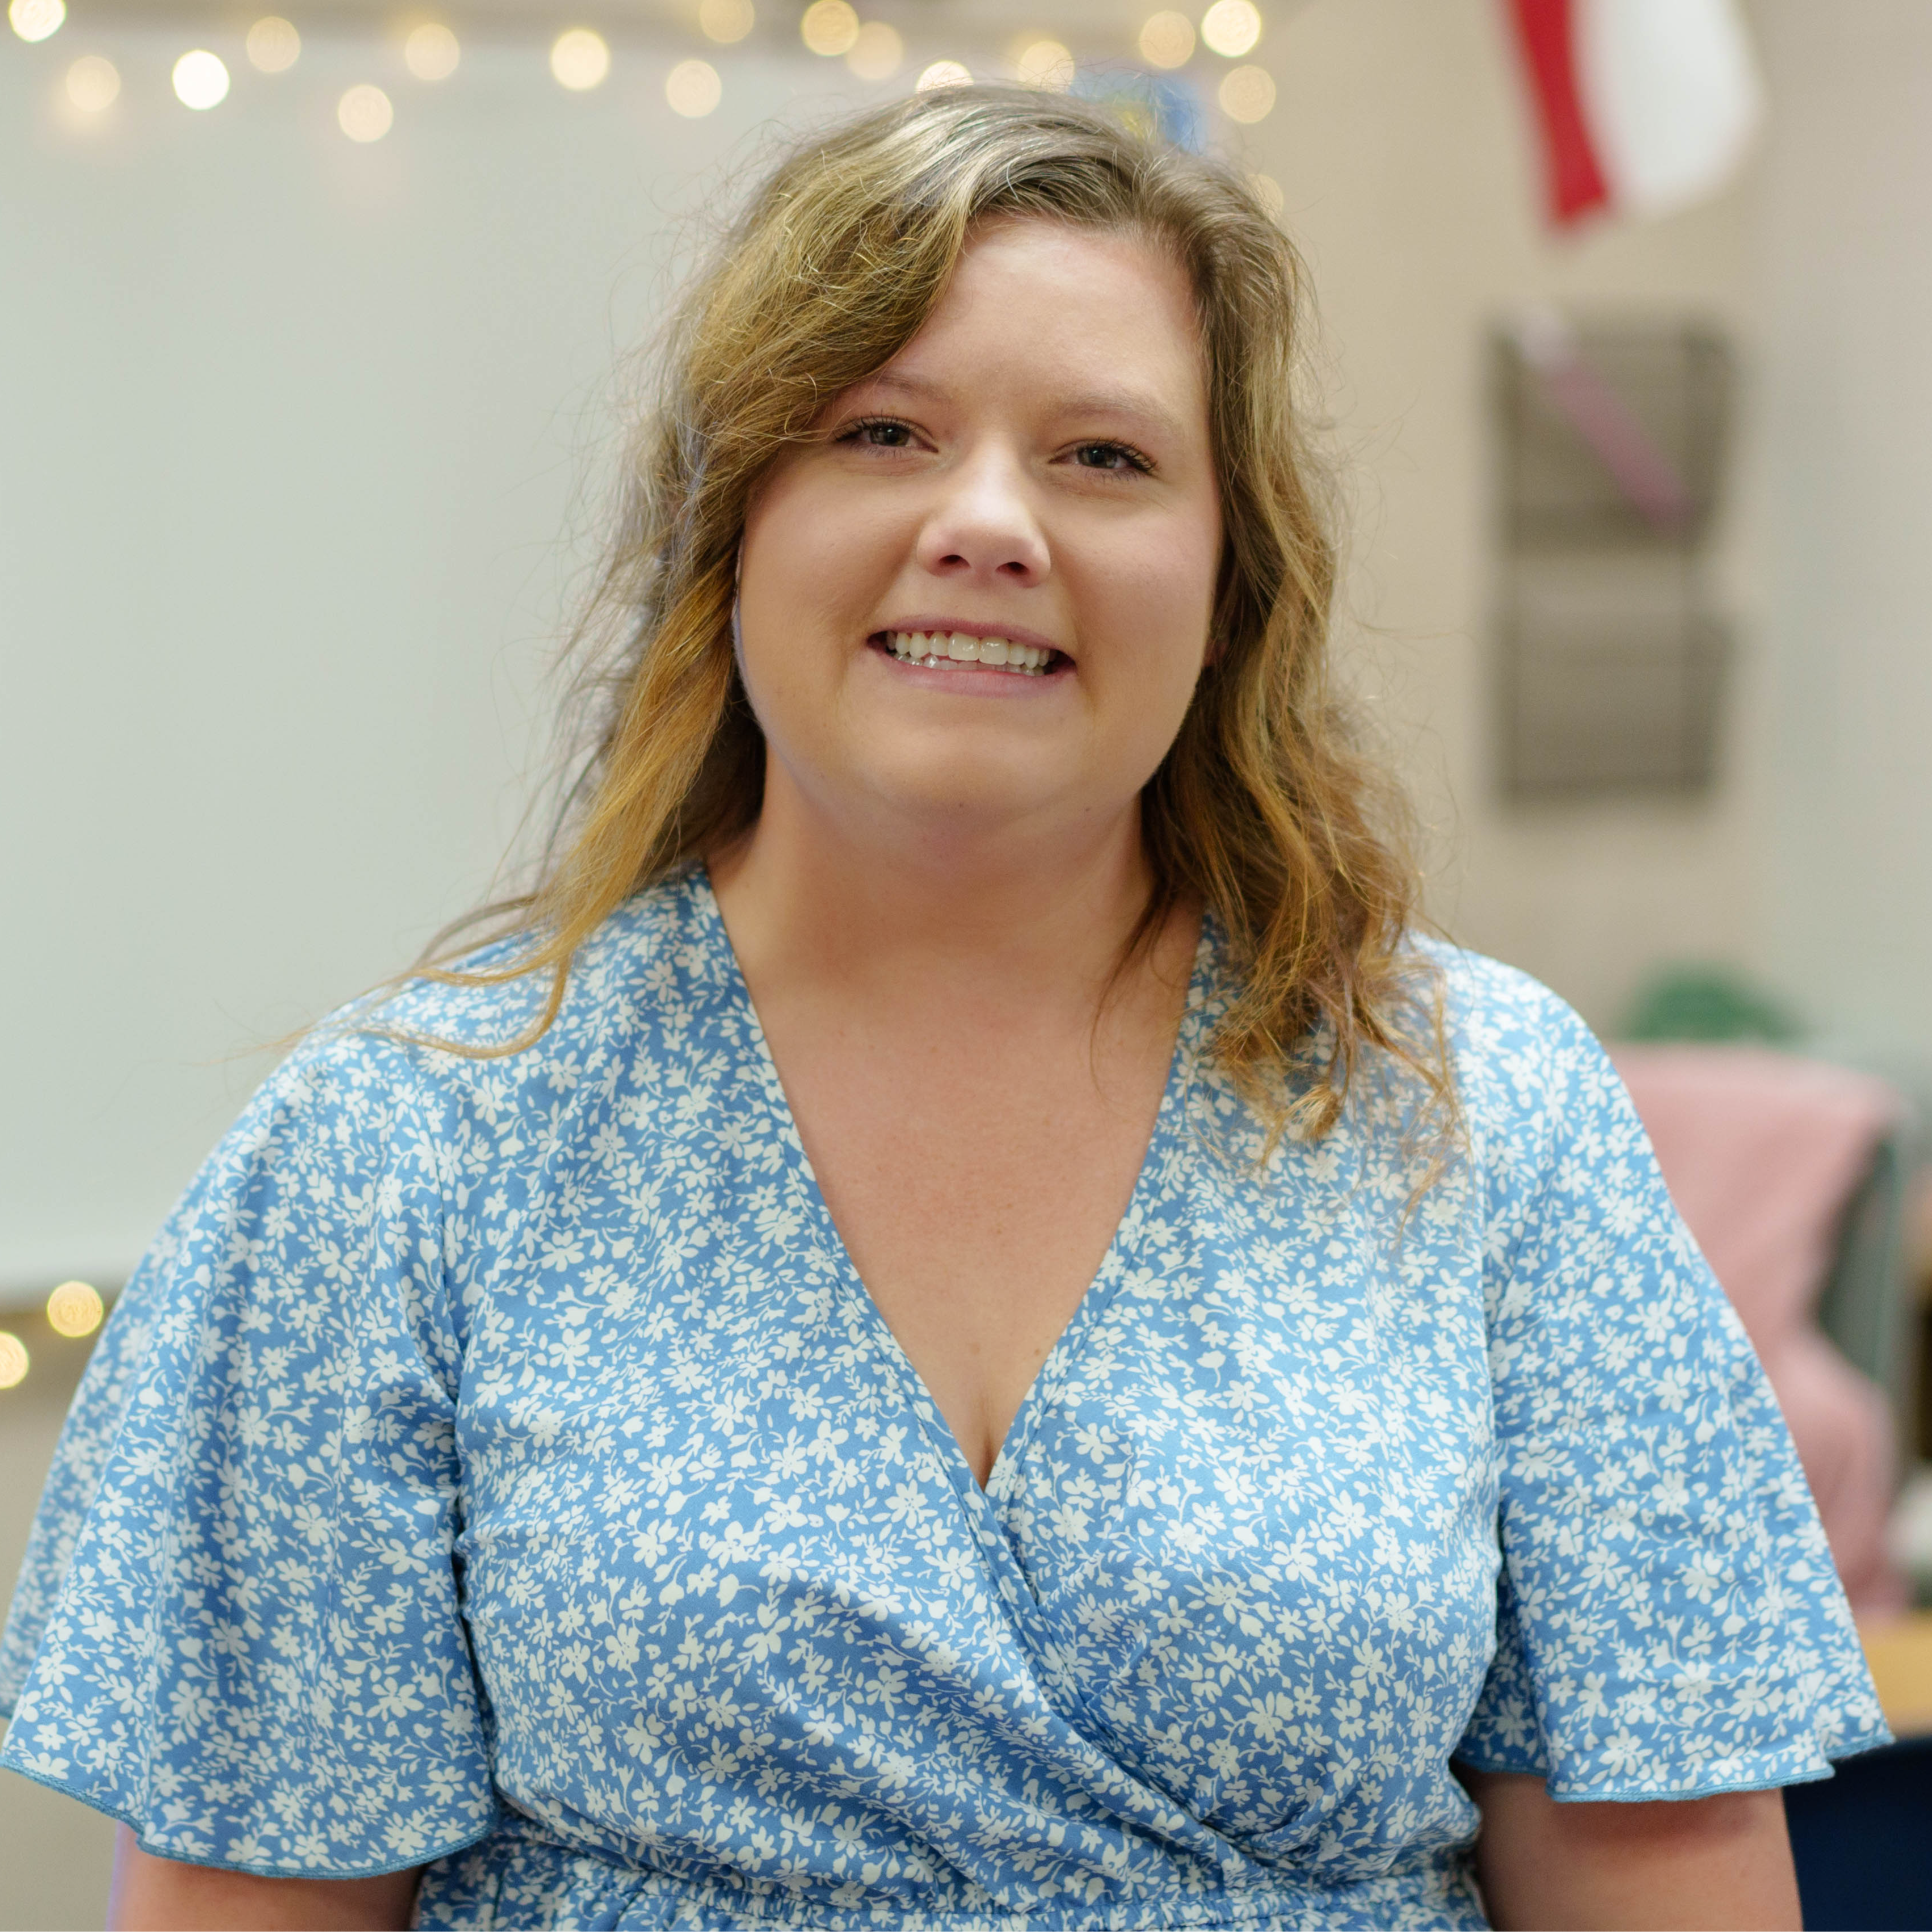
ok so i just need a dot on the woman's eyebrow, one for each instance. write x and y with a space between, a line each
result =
1135 405
910 386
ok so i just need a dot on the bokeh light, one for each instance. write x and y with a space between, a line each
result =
1167 40
364 113
200 80
34 20
693 88
92 83
1268 192
579 59
1230 27
876 54
725 21
273 45
431 53
945 73
1045 63
13 1361
829 27
1247 95
74 1309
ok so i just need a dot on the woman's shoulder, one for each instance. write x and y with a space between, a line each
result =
1488 997
1524 1061
1498 1012
654 964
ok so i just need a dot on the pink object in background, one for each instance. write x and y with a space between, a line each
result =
1763 1152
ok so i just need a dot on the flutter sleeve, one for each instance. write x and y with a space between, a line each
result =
1669 1621
237 1629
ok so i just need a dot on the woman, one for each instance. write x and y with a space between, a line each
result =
961 1328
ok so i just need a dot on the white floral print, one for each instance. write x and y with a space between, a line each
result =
497 1464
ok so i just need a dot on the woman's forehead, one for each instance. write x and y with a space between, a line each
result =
1107 315
1053 252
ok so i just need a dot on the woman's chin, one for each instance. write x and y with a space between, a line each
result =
965 804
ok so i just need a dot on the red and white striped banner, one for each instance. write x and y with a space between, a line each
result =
1643 106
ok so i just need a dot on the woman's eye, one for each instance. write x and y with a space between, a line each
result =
884 435
1116 456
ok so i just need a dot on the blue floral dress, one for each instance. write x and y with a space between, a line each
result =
497 1465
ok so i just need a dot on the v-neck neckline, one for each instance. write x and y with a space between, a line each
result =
1100 1290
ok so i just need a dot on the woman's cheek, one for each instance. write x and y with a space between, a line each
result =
1146 619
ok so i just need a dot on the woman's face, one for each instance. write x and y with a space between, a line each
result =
982 596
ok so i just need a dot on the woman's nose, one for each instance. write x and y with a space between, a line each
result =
983 526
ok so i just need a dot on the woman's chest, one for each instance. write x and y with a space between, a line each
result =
1246 1512
975 1180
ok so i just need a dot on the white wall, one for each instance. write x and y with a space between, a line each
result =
293 431
1846 481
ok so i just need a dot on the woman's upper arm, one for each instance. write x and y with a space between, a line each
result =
152 1895
243 1592
1668 1619
1710 1862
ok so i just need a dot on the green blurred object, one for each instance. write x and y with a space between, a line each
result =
1711 1002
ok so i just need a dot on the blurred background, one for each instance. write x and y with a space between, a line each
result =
314 343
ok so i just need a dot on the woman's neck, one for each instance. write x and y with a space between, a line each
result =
1038 913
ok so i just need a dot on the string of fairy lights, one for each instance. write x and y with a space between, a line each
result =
581 59
73 1311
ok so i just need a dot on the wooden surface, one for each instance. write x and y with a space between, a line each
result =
1899 1653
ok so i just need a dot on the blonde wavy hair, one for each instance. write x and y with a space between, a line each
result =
1264 809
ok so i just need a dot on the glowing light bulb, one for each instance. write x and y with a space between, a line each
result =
693 88
725 21
364 113
92 83
273 46
14 1360
579 59
876 54
945 73
1167 41
1045 63
201 81
34 20
1230 27
829 27
1247 95
74 1309
430 52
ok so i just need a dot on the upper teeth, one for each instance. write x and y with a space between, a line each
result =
934 647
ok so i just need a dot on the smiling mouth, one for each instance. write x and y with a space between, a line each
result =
954 650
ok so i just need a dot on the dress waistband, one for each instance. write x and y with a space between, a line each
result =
516 1879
